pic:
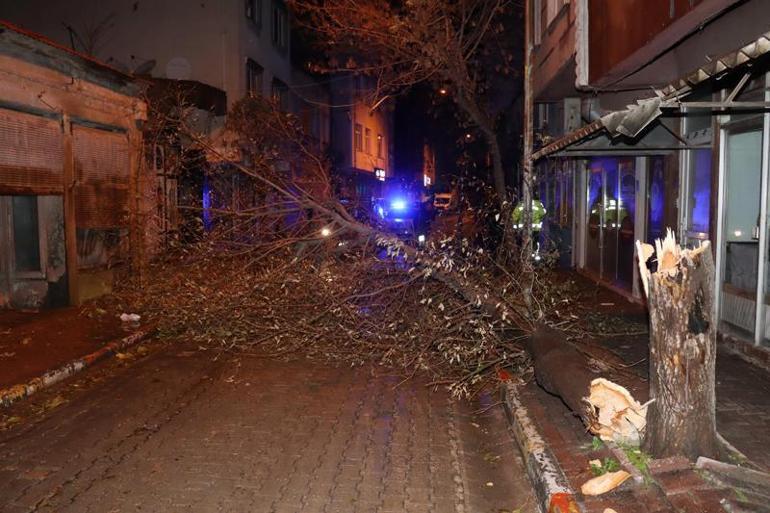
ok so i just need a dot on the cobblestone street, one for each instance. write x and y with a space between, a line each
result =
178 431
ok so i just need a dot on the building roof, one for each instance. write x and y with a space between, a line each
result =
634 119
37 49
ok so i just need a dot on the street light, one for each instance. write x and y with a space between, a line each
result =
325 232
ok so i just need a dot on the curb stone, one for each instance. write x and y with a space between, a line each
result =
552 488
21 391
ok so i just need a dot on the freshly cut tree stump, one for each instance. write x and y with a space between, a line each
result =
683 324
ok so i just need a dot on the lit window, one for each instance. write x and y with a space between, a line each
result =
379 173
254 11
280 25
253 78
358 138
379 145
426 181
368 141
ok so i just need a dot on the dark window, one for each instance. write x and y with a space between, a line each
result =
254 11
280 94
368 140
26 237
359 138
253 78
280 25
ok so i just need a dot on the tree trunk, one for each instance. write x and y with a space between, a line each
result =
487 128
527 171
561 369
681 420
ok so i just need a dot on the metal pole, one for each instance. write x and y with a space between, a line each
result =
527 172
759 320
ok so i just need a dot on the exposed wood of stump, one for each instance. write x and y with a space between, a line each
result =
681 420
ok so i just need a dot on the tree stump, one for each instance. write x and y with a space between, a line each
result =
681 419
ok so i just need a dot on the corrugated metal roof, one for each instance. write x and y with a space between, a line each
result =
632 120
718 67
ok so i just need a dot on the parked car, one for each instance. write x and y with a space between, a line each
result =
403 217
444 201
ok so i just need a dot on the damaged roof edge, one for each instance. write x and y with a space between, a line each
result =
36 49
647 109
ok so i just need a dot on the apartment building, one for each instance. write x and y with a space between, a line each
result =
655 115
215 52
362 136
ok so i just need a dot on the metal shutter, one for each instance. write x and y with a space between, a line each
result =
31 154
102 174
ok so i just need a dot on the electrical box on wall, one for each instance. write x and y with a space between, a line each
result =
571 114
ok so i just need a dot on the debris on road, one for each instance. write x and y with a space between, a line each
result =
604 483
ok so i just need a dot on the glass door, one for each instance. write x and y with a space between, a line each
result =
626 216
742 179
595 219
611 225
611 200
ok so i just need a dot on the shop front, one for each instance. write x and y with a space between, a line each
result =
742 240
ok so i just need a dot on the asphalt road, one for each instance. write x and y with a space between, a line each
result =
180 430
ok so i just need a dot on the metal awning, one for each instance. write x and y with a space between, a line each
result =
658 138
637 119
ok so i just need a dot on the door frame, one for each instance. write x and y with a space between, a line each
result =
725 130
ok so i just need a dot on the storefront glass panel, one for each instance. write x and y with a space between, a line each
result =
743 184
699 194
656 200
611 209
626 216
595 219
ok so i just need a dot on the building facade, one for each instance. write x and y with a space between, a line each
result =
237 46
362 137
653 122
70 173
211 54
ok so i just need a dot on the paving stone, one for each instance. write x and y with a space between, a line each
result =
309 438
671 464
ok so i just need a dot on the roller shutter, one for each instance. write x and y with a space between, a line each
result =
102 174
31 154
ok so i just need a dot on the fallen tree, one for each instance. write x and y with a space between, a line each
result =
291 270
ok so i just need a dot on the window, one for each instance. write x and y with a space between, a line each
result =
553 8
543 14
379 173
368 141
379 145
26 237
254 11
253 78
280 25
358 138
280 94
